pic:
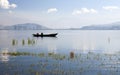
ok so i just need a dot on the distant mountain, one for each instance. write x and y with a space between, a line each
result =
112 26
1 27
26 26
33 26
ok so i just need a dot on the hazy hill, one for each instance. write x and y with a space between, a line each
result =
111 26
1 27
33 26
26 26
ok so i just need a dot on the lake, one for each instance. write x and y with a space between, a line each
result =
72 52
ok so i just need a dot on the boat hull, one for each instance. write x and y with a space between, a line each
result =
45 35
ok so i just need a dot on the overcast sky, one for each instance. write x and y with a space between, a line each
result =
59 13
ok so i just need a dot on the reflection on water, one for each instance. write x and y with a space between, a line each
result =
52 48
4 55
71 53
109 40
77 41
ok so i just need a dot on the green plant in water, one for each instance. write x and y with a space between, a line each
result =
23 42
14 42
41 54
50 54
33 41
37 73
72 55
29 41
17 53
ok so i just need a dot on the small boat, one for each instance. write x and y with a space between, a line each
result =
45 35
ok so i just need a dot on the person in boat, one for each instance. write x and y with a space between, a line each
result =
41 34
37 33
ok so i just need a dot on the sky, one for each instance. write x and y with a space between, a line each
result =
59 13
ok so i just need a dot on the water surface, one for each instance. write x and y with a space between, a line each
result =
72 52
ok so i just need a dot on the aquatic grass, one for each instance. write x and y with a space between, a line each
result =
23 42
31 41
81 64
56 56
41 54
16 53
52 55
72 55
14 42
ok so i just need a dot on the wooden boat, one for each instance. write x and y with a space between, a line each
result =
45 35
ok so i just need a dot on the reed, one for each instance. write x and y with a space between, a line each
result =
72 55
14 42
23 42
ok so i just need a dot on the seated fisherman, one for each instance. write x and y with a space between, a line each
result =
41 34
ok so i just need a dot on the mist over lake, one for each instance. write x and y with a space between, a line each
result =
71 52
